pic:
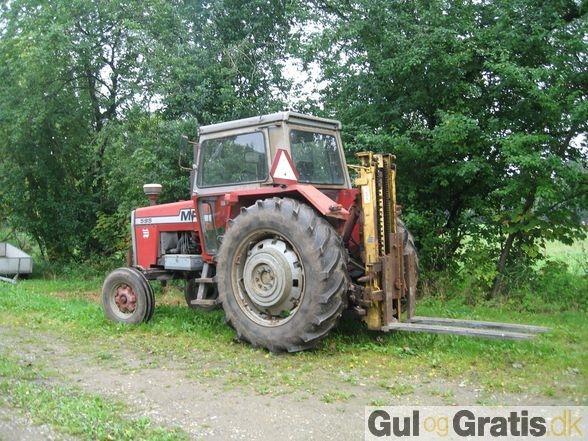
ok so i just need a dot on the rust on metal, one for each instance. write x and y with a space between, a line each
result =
125 299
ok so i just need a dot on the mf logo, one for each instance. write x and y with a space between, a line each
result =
187 215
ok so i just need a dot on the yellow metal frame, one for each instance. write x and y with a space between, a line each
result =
376 176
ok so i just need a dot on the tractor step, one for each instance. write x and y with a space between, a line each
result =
204 302
472 328
205 280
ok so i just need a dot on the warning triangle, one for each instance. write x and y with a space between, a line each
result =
283 170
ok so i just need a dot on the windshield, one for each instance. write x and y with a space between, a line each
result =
316 157
232 160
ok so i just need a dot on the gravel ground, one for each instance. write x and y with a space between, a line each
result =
168 394
14 426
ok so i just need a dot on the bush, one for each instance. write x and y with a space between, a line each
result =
549 287
554 285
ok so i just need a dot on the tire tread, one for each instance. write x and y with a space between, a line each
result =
329 299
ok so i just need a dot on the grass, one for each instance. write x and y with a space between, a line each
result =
554 366
398 389
71 411
349 355
576 255
332 397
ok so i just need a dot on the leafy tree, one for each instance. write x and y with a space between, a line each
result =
83 81
43 128
143 149
69 70
480 101
221 60
538 78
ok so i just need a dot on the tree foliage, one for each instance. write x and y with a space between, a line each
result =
95 95
483 102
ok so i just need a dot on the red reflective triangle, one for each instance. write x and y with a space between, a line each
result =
283 170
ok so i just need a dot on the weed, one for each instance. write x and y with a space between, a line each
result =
332 397
379 403
397 389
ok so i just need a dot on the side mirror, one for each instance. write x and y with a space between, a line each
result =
185 147
196 151
192 179
183 142
188 149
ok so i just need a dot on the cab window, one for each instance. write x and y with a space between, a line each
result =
316 157
232 160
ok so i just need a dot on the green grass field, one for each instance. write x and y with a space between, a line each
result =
71 308
575 256
553 366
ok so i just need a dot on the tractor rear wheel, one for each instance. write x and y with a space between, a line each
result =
127 296
282 276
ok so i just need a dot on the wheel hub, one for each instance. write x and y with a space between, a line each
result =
125 299
272 278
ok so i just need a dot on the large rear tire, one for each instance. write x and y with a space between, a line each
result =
282 276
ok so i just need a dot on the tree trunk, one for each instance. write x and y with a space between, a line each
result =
497 284
498 279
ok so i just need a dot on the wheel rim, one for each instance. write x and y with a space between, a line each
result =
123 300
268 278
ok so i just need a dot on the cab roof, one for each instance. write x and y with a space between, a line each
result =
273 119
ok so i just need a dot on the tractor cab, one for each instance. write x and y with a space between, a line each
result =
284 154
240 154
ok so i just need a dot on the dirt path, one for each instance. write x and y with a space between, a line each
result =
203 410
167 393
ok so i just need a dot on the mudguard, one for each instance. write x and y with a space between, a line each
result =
313 196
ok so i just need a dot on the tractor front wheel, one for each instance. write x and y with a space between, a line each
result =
282 275
127 296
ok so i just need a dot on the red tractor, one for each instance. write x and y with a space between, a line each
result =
277 234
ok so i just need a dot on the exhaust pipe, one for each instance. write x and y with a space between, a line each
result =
152 191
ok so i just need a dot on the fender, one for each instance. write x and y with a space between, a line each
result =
313 196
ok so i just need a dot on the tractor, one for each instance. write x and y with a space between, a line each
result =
279 235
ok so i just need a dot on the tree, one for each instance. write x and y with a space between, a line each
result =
538 78
221 60
70 69
480 101
84 80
